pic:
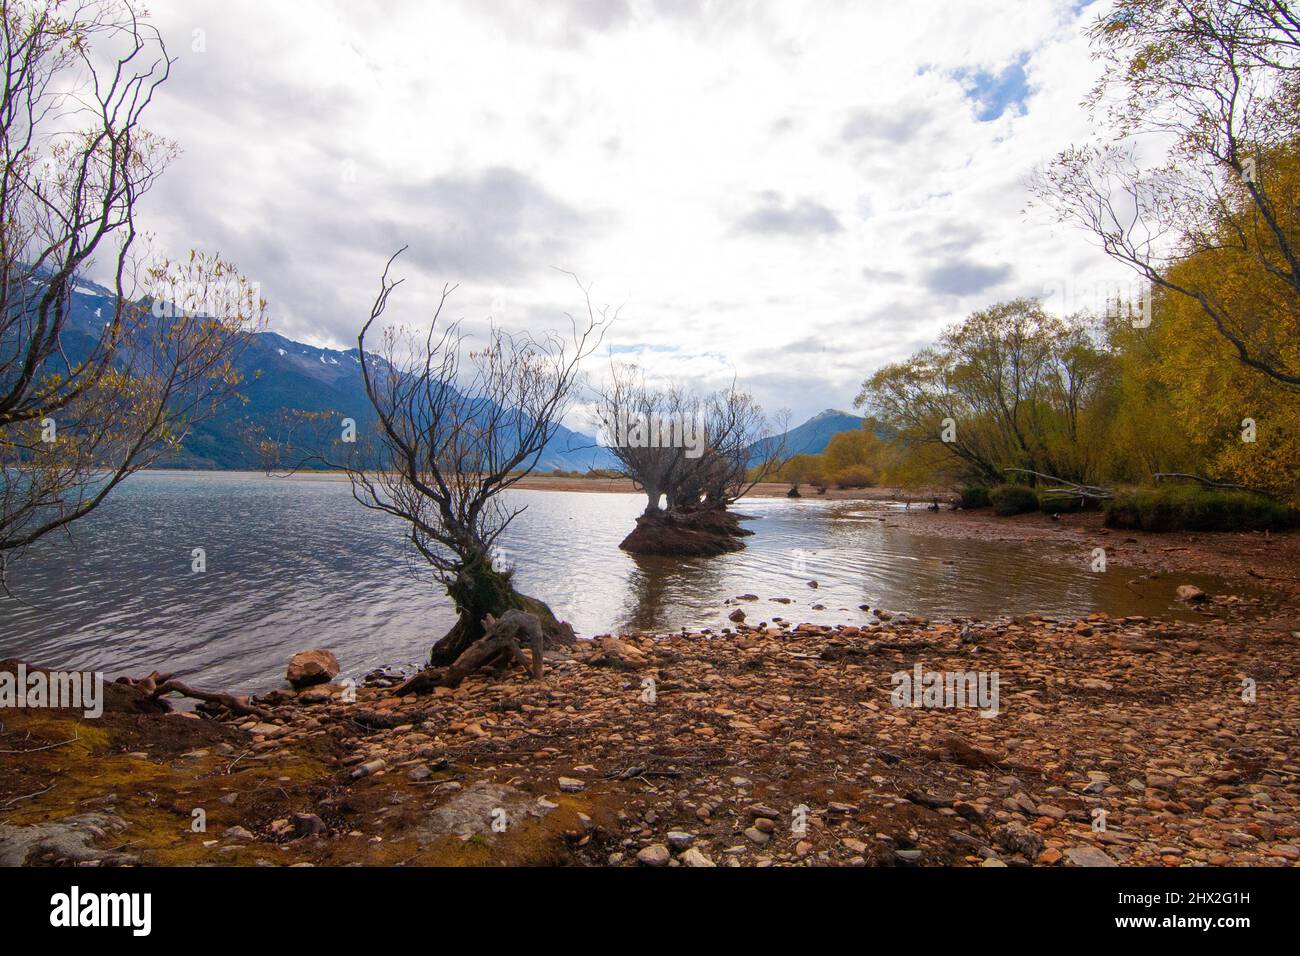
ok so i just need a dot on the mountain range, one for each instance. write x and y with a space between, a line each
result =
282 375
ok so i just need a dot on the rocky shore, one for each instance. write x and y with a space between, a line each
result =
1116 741
1141 720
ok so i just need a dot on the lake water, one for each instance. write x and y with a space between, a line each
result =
294 563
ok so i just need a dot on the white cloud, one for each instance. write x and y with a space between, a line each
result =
744 180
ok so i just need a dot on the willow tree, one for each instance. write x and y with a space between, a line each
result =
1007 387
692 455
1219 80
458 424
89 397
631 415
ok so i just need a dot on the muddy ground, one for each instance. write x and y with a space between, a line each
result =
769 743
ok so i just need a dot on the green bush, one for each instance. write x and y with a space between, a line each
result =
1013 499
975 496
1194 508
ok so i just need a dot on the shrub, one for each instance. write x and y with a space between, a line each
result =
1013 500
855 476
975 496
1194 508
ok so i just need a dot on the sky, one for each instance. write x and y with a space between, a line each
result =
790 195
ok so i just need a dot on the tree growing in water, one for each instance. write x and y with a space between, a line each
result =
458 426
693 456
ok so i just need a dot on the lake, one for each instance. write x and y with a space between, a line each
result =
294 563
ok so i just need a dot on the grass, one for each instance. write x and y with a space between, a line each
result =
975 496
1192 508
1013 500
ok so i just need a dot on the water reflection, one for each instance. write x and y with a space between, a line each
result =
656 586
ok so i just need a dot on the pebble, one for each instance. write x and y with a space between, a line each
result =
654 855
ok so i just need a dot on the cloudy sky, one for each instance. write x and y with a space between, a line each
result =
791 193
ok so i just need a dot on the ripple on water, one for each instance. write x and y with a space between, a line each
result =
295 562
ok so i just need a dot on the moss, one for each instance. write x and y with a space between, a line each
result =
530 842
155 795
480 590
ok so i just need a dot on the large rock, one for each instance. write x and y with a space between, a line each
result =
1019 839
68 840
693 857
1191 594
1088 856
312 667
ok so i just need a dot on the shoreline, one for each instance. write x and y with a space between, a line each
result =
1139 717
537 482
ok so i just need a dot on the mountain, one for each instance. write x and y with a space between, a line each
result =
810 438
282 375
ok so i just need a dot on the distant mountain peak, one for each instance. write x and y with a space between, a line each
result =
810 438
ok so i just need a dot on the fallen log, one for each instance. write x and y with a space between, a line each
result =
1068 489
1210 483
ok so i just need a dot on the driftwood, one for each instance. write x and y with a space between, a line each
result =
1210 483
158 685
500 643
1068 489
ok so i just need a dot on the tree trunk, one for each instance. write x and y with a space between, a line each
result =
480 590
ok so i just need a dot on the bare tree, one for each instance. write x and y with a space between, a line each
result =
86 400
744 446
1221 80
695 454
631 414
457 427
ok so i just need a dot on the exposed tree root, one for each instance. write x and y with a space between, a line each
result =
157 685
500 644
701 533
